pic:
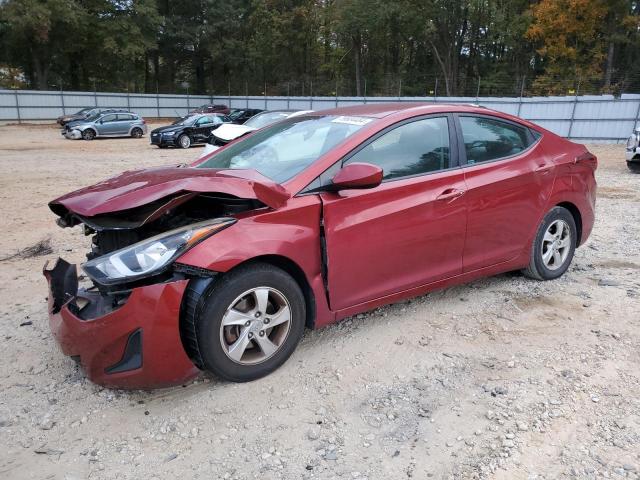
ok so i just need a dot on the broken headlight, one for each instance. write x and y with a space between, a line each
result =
152 255
633 140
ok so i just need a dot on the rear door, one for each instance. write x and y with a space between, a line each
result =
125 120
407 232
509 180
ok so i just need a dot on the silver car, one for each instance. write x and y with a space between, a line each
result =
120 124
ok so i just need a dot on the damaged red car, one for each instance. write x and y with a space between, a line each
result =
222 264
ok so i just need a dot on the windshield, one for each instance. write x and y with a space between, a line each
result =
235 114
283 150
188 120
93 118
264 119
83 111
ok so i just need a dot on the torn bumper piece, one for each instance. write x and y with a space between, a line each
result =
73 134
136 345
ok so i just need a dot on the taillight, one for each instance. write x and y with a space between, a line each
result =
144 122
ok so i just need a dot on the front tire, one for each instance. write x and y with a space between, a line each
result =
553 246
248 323
88 134
184 141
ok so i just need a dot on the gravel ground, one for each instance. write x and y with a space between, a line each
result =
503 378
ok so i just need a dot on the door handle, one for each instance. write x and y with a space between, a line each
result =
450 194
544 168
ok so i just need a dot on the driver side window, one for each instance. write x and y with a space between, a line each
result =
413 148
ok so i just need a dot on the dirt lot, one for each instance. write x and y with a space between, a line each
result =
505 378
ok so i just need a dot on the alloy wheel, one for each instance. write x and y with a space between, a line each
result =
255 325
185 141
556 244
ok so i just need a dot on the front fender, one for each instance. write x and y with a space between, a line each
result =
291 232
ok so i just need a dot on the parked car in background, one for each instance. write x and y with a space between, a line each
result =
187 131
62 120
241 115
212 108
92 112
222 264
633 151
229 132
107 124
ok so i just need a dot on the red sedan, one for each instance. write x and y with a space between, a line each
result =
221 265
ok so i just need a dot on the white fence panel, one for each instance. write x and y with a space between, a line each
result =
584 118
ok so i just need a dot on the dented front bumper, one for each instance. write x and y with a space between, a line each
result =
134 345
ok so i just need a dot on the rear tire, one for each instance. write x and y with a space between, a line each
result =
88 134
634 166
247 323
184 141
553 246
137 133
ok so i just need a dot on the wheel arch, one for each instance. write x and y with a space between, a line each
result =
283 263
93 129
296 272
577 218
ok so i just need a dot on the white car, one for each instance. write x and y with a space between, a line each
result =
230 131
633 151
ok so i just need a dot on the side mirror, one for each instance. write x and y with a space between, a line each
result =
357 176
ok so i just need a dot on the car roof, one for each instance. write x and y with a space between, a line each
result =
380 110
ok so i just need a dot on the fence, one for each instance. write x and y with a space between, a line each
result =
600 118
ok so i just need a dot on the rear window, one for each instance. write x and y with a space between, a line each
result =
487 139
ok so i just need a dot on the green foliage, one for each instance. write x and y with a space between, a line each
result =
324 47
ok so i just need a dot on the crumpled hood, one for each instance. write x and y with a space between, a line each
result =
137 188
77 122
231 131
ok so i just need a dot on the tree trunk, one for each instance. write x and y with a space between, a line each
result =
609 69
443 67
40 72
357 45
200 73
156 69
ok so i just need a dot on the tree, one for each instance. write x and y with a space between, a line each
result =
35 33
571 44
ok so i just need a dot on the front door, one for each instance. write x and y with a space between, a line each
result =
407 232
203 127
108 124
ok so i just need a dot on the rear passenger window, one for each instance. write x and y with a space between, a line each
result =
122 117
411 149
486 139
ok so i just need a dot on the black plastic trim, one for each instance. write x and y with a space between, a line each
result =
132 356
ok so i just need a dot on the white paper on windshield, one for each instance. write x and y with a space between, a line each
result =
360 121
